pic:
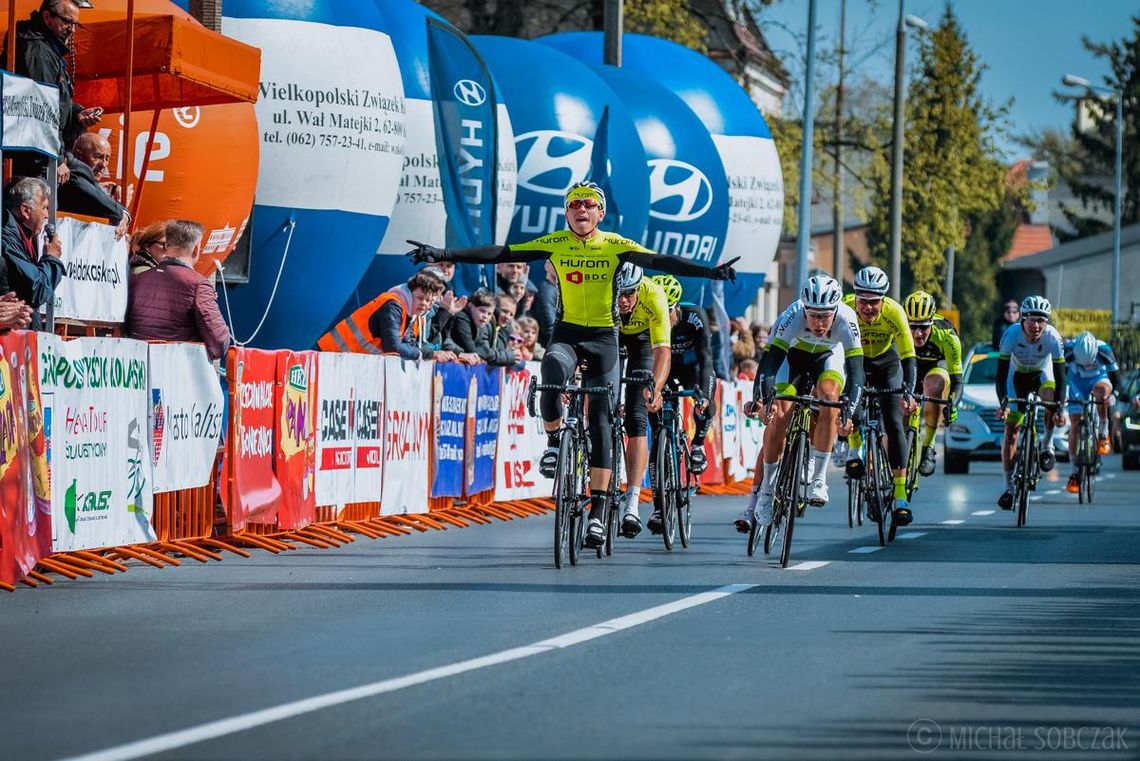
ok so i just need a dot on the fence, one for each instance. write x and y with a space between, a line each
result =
113 450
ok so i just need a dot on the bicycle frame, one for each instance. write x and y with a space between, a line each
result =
1026 468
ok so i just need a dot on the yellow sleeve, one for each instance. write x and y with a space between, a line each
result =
660 333
904 342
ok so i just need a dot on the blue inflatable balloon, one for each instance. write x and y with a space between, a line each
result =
741 135
331 114
556 106
688 191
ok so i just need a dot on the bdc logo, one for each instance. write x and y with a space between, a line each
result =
469 93
678 192
576 277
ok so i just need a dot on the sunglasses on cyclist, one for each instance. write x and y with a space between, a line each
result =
817 315
582 203
920 326
1037 320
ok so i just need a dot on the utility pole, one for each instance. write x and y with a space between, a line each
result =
897 159
803 237
612 23
839 249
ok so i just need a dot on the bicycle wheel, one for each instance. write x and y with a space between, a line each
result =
666 487
578 517
795 494
565 499
613 494
875 488
854 504
1024 473
684 501
912 461
1082 460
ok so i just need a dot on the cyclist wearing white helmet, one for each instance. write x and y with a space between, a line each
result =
812 343
585 260
889 362
1092 372
1036 352
644 312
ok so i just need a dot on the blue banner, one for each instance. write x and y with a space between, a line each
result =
466 134
600 173
453 383
481 473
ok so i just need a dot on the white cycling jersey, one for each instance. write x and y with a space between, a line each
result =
791 332
1026 356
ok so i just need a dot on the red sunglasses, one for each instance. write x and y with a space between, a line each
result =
582 203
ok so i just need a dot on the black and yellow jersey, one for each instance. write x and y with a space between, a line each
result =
890 328
585 270
943 346
650 313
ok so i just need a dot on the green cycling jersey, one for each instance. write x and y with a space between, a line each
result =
650 313
942 346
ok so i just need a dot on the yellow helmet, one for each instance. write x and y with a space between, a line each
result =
920 307
671 286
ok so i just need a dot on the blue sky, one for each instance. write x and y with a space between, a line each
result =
1027 44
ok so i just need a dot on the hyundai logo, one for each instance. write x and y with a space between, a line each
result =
469 92
552 161
678 192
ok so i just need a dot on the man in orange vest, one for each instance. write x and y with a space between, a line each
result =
392 323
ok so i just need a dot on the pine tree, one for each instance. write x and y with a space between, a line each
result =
951 170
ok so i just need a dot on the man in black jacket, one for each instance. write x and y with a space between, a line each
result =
42 45
13 312
32 274
83 193
472 332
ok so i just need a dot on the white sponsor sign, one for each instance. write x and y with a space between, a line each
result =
331 114
751 431
95 392
506 176
185 416
755 197
31 115
521 441
419 213
350 420
94 286
407 435
729 422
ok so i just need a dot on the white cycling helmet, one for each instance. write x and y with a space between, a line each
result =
821 292
872 280
1085 348
1036 306
628 277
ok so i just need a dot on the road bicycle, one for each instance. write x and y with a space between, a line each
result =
789 498
673 481
572 476
1026 466
914 437
871 490
1087 456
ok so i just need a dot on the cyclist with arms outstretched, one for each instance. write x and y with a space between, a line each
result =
1092 373
814 341
1035 351
585 260
939 353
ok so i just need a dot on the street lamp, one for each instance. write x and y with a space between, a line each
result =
1070 80
803 236
897 148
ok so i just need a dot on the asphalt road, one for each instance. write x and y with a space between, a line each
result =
966 638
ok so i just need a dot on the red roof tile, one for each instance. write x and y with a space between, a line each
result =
1030 239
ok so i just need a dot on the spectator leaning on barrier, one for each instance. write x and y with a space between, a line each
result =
42 44
472 332
32 275
395 322
531 348
148 245
83 193
172 302
545 306
443 311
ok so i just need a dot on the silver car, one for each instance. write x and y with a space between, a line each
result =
976 434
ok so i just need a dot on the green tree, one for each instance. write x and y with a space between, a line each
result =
952 173
667 19
976 266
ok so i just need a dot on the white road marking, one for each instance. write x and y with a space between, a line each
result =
1109 475
953 522
223 727
911 535
864 550
808 565
1036 497
1052 491
982 512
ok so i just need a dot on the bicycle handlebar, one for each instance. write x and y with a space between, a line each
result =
923 398
870 391
808 400
1036 402
576 390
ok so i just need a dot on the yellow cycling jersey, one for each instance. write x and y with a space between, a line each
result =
651 312
889 328
585 271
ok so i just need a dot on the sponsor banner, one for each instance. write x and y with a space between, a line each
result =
484 434
25 496
185 416
453 384
520 441
31 115
296 437
407 435
98 394
729 423
350 398
94 284
1070 322
254 495
756 199
751 430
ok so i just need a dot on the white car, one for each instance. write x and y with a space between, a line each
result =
976 434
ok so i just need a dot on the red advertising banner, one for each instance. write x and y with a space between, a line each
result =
714 474
25 488
254 495
297 437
